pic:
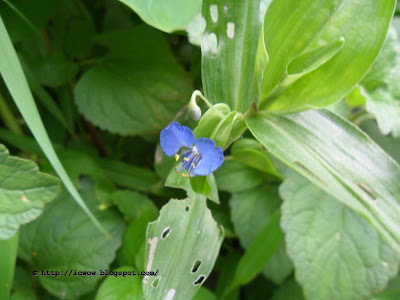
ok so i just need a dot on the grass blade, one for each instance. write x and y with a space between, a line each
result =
11 71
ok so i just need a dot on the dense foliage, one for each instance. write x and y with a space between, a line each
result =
227 149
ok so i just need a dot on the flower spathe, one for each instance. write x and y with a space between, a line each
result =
202 156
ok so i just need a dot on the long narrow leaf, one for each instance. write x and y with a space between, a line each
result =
11 71
339 158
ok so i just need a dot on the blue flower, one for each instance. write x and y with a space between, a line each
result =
202 156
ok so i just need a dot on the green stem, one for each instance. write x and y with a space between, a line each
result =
8 117
8 257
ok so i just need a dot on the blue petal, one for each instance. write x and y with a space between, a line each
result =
174 137
212 156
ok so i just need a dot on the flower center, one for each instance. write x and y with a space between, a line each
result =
190 160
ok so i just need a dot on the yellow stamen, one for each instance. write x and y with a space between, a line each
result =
177 157
185 175
193 165
186 159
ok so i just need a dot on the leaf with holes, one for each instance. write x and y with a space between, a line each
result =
340 159
183 245
311 46
137 88
233 52
332 245
63 238
23 192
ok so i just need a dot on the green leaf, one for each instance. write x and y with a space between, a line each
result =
233 53
167 16
309 35
138 88
127 175
235 177
13 76
121 287
340 159
210 120
200 185
391 292
188 236
250 153
63 238
203 185
258 253
290 290
133 241
388 143
204 294
23 287
332 245
54 70
250 212
8 250
381 86
133 204
23 192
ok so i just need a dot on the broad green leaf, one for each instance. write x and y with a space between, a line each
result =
319 39
290 290
133 204
63 238
8 250
121 287
165 15
188 236
233 53
236 177
23 192
332 245
226 265
381 86
250 212
138 88
250 153
258 253
14 78
340 159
